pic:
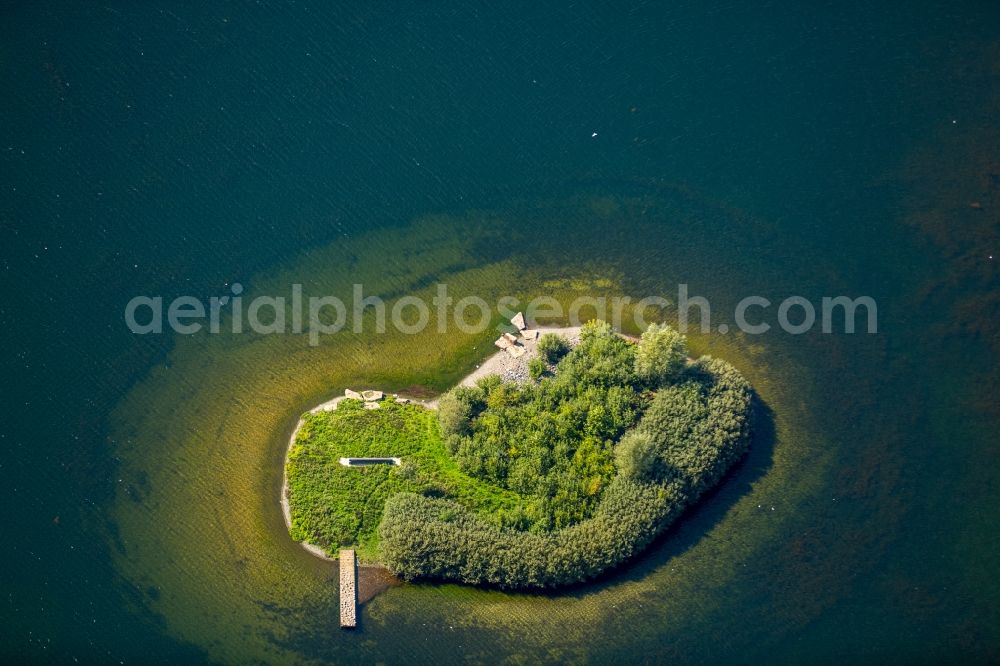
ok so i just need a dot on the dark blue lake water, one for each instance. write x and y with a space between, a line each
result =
816 149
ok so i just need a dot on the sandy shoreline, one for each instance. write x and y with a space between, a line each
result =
501 363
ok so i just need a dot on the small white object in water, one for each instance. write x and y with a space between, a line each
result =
593 135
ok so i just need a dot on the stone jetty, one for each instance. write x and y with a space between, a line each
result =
348 589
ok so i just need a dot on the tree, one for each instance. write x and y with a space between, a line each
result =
454 413
552 347
636 456
660 354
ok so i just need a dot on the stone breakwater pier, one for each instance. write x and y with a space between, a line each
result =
348 589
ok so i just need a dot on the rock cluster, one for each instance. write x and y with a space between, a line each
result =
371 398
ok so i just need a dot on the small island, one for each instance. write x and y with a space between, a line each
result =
562 457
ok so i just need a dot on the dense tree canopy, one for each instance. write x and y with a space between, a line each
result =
551 442
538 484
608 451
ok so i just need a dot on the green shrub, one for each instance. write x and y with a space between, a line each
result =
536 368
660 355
454 414
552 347
637 457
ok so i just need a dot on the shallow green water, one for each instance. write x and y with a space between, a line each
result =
219 420
789 151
